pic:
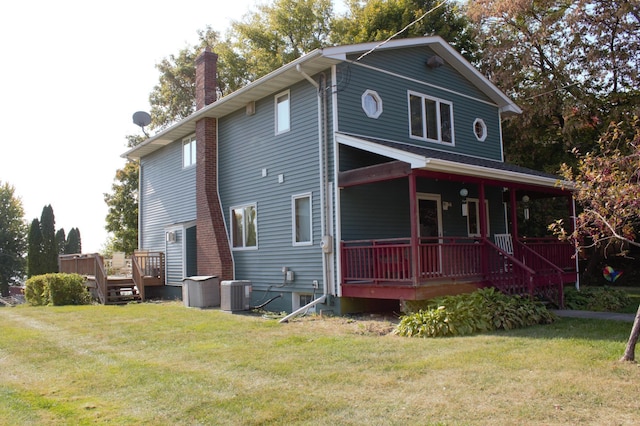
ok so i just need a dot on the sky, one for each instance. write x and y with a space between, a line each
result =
72 73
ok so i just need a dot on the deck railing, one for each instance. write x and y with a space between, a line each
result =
86 264
147 269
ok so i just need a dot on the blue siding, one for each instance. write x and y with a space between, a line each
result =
168 194
410 74
247 145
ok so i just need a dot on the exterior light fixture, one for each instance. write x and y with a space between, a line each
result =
465 209
525 200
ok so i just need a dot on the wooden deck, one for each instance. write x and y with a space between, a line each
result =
147 270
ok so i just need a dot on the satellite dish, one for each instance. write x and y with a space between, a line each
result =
142 118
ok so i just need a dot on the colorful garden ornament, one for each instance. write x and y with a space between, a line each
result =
611 274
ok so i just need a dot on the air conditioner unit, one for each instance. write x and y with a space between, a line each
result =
171 236
235 295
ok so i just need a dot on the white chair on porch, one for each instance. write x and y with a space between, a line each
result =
505 242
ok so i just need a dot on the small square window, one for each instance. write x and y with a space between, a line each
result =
371 104
283 113
189 152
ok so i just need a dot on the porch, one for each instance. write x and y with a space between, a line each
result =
147 270
432 267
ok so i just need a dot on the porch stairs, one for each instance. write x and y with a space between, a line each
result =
120 291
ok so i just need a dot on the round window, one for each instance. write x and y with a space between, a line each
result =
480 129
371 104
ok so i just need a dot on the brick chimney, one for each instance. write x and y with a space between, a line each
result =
214 254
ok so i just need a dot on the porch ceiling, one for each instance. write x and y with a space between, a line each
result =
431 160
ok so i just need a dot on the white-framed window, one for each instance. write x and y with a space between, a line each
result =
244 226
283 112
480 129
302 299
371 104
430 119
302 226
189 151
473 217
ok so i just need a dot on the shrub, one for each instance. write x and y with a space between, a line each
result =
482 310
56 290
603 299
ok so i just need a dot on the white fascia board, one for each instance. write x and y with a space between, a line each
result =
416 161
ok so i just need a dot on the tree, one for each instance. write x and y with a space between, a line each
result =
49 245
122 217
568 65
34 250
73 244
280 32
12 238
607 181
61 240
378 20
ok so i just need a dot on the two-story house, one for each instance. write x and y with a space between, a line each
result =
350 179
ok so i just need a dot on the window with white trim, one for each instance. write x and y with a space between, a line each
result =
302 226
371 104
430 119
189 151
244 226
473 217
283 112
480 129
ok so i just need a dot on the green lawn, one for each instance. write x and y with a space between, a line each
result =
162 364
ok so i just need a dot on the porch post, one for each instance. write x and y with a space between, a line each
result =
482 216
514 214
413 214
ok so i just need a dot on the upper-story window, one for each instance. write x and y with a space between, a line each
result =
430 119
371 104
189 151
283 112
480 129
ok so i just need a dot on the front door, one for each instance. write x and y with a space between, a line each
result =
430 233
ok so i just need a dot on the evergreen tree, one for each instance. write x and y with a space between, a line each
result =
61 240
73 244
12 238
34 249
49 245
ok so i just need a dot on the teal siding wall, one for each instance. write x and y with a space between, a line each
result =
247 145
168 194
405 70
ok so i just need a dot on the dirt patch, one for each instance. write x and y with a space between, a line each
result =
361 324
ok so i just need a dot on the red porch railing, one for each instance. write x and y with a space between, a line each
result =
389 262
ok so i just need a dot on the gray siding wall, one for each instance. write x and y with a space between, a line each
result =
167 198
247 145
405 70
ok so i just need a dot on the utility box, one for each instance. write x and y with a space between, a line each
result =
201 291
235 295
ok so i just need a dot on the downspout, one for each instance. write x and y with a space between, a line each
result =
322 168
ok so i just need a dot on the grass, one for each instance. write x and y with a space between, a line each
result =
162 364
634 295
